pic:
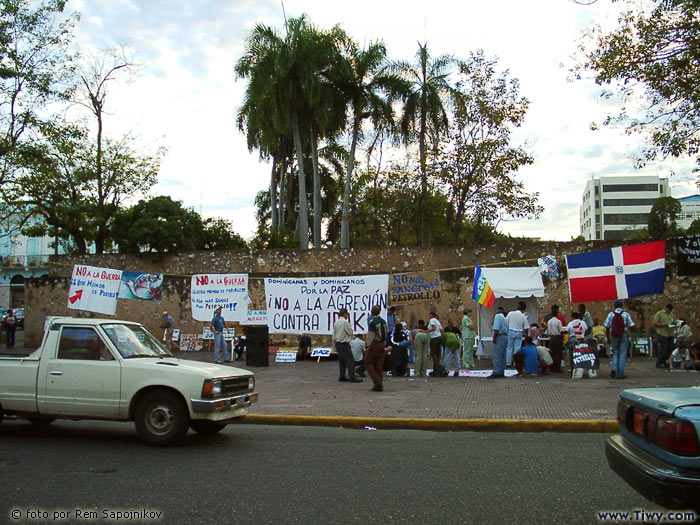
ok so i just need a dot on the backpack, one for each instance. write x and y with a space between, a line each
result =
617 325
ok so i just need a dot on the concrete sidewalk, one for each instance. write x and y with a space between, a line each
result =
311 388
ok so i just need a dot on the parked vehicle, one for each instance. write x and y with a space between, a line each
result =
117 370
657 451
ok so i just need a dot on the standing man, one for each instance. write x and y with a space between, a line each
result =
10 325
556 340
357 347
586 317
390 322
468 338
435 332
665 323
342 335
167 325
374 358
217 325
616 326
518 327
500 342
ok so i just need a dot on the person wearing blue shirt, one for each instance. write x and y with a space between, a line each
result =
217 325
526 359
500 342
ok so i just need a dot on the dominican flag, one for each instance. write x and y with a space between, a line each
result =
617 273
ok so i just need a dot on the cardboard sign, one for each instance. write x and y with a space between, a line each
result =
255 318
585 357
285 356
310 305
414 287
321 352
208 334
94 289
176 334
141 286
211 291
190 343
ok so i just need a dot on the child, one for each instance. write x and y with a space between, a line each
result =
680 358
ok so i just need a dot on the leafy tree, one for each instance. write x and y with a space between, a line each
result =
35 71
662 218
694 227
657 51
218 234
424 113
476 162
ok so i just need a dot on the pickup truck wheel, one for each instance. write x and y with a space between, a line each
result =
161 418
206 427
41 421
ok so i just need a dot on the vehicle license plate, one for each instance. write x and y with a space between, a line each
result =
639 418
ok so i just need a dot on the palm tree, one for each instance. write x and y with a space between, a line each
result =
424 113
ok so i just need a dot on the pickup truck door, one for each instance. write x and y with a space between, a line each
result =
82 377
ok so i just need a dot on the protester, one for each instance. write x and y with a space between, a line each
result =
400 341
600 337
684 334
526 359
680 358
576 330
218 324
357 347
168 325
435 331
451 343
695 356
555 329
534 332
240 347
10 325
304 348
342 335
545 358
468 339
554 312
617 325
452 328
517 329
585 317
374 357
421 343
665 322
390 322
500 342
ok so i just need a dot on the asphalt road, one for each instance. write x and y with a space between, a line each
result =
266 474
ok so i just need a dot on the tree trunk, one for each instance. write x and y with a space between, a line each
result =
303 229
424 223
273 195
345 217
318 212
283 181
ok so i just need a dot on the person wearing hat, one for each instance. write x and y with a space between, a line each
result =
617 325
167 325
500 342
342 335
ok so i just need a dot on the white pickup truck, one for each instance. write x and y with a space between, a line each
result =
117 370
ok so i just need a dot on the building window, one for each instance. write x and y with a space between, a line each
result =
615 235
628 187
628 202
625 218
597 190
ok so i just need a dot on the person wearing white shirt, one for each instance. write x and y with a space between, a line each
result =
576 329
518 326
435 332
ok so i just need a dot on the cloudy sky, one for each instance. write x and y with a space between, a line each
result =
185 96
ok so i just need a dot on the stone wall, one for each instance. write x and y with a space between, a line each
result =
48 295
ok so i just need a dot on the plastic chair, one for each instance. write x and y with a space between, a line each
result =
640 343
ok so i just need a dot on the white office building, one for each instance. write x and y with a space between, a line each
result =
613 206
690 206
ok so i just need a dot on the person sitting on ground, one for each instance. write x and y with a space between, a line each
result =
240 347
526 359
545 358
357 347
304 349
695 356
680 358
451 344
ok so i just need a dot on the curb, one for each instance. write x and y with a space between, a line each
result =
606 426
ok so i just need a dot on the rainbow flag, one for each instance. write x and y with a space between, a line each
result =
482 294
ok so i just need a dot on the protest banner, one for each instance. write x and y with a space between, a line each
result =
176 334
321 352
255 318
286 356
141 286
211 291
584 357
310 305
94 289
190 343
413 287
208 334
688 254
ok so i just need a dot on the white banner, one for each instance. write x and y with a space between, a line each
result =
94 289
310 305
255 317
210 291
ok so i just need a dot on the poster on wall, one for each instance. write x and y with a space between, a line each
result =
413 287
208 334
310 305
688 254
141 286
255 318
213 290
191 343
94 289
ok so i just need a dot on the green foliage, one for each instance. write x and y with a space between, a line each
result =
662 218
694 227
218 234
656 49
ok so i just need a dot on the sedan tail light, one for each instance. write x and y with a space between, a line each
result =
623 411
677 436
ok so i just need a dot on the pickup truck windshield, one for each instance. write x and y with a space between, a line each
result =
134 341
